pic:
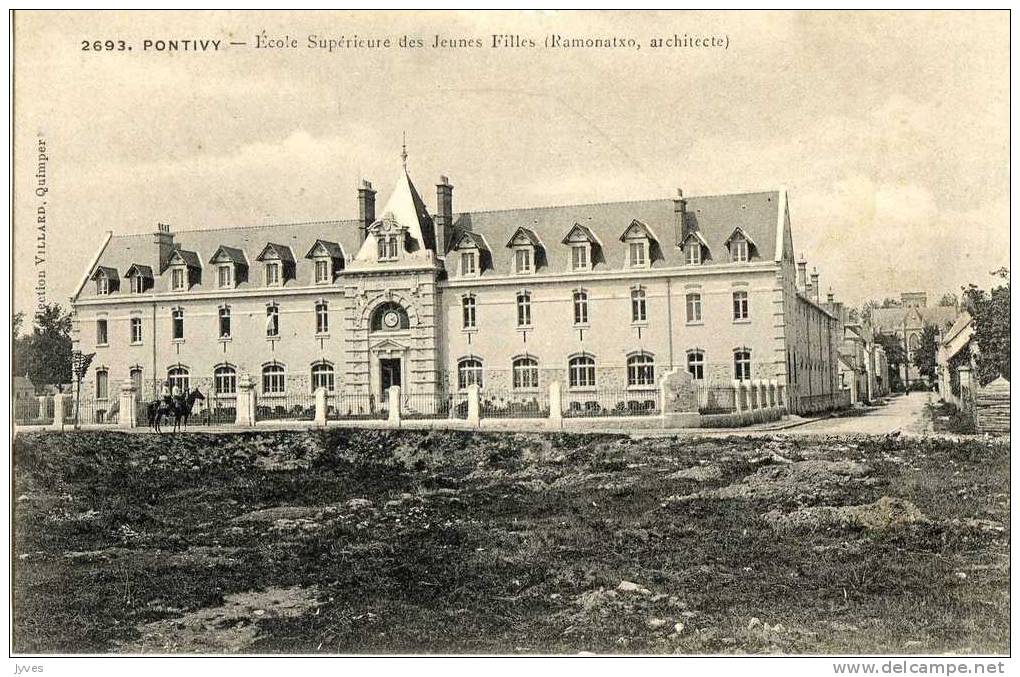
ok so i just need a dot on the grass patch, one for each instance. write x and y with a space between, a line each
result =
444 541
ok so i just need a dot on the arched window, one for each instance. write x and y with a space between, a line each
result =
321 318
581 371
469 372
641 370
136 380
390 316
580 307
742 364
523 309
915 341
468 306
638 309
225 380
525 373
102 384
224 321
323 377
180 377
274 379
696 364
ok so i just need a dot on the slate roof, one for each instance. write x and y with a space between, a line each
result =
235 255
713 218
891 319
140 270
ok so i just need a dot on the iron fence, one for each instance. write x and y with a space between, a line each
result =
285 406
513 404
717 399
606 402
33 411
347 405
426 405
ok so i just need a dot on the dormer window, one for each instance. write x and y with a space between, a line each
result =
742 247
585 248
231 267
387 247
638 254
137 285
140 278
522 261
327 258
106 280
277 264
526 248
692 254
640 241
469 264
738 250
179 278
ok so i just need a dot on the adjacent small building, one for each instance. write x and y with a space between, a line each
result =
907 323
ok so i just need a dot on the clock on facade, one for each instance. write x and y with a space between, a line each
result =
391 319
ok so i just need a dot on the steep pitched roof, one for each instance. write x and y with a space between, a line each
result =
331 249
232 254
524 236
468 238
105 271
579 233
139 270
891 319
408 209
636 228
713 217
280 251
187 257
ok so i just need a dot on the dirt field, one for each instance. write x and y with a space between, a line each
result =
372 541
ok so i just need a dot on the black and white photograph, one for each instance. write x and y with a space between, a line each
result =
510 333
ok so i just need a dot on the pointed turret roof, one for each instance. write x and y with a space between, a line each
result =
407 208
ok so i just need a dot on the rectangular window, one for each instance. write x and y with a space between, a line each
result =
272 321
177 279
740 305
468 264
696 364
137 284
524 310
272 274
225 277
742 365
579 257
580 307
178 324
468 308
637 254
392 247
738 249
322 271
102 286
136 330
638 309
102 385
522 260
224 322
321 318
693 254
694 307
102 335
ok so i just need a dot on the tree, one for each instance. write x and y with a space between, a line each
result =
894 355
926 351
990 311
20 345
949 300
47 352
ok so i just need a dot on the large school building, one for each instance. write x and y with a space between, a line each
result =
604 298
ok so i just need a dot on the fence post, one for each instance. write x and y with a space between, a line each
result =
773 394
127 417
555 404
394 404
59 403
473 416
763 393
245 401
738 396
320 406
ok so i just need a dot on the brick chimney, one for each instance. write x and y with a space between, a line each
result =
814 285
366 207
679 215
164 241
444 213
802 274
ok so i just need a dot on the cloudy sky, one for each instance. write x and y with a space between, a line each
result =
889 130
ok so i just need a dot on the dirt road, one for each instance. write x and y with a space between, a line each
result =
904 414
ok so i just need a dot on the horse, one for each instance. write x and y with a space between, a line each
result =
180 409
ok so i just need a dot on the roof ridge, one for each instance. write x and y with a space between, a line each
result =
608 202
